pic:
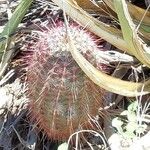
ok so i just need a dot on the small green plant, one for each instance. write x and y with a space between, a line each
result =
127 123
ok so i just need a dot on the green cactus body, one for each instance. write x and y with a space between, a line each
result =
62 97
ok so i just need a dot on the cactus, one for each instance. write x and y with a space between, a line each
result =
62 97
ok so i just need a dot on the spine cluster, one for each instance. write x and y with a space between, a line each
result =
62 97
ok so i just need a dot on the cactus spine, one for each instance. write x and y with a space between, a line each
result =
61 96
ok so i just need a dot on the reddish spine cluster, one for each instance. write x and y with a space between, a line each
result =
61 96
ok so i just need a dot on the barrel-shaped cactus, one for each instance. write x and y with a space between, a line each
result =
62 97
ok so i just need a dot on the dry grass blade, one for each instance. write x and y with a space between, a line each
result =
136 12
98 8
137 15
138 47
91 146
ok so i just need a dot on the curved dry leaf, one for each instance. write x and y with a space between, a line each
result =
139 16
98 8
136 12
112 84
138 47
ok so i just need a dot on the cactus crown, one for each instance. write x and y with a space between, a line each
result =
61 96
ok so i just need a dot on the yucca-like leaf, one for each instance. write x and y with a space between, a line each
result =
136 12
9 29
139 16
108 9
16 18
138 47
